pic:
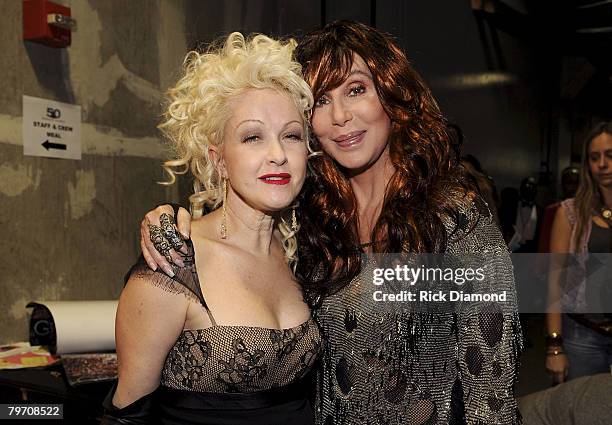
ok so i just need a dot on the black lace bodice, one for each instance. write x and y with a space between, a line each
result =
240 358
234 359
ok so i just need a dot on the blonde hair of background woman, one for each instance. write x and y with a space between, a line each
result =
200 104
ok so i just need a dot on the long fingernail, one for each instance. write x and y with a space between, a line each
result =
179 262
169 272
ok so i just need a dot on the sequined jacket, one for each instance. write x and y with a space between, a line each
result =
402 367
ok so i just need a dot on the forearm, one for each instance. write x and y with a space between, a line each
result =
554 304
553 323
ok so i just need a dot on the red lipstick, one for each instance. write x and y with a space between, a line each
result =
276 178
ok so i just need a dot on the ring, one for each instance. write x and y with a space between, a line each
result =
159 242
170 232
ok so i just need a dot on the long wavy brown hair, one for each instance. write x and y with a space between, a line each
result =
427 183
588 198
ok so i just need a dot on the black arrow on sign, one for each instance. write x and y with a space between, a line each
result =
48 145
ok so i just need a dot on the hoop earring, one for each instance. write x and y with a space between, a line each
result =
224 211
294 223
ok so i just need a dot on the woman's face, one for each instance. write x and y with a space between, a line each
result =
264 150
350 122
600 159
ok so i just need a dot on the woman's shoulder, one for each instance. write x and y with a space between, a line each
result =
206 229
569 202
201 224
465 209
568 206
141 278
473 227
208 242
149 292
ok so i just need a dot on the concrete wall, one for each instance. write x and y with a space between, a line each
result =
502 124
70 228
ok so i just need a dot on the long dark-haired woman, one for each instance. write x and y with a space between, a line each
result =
386 179
581 344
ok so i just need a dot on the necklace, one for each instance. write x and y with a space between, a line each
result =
364 245
606 213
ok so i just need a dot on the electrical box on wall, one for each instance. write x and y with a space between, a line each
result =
47 23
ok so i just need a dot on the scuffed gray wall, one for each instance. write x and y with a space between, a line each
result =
70 228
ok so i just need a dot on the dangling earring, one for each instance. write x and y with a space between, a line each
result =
224 211
294 223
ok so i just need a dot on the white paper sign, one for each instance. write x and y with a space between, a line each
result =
51 128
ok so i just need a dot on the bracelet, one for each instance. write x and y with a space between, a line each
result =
554 339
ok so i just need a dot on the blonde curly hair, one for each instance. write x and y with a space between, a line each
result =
200 104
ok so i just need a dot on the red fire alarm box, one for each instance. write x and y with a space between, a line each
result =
47 23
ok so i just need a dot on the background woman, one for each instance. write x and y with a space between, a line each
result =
386 179
581 344
229 338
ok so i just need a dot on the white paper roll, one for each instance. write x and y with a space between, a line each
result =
80 326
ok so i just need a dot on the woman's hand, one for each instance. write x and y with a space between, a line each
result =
161 240
557 367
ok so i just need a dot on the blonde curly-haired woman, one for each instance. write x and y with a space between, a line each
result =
229 338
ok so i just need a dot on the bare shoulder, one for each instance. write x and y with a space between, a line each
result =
149 321
207 239
207 227
561 232
147 311
211 252
143 291
561 218
561 224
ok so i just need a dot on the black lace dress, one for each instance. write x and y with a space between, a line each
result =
233 374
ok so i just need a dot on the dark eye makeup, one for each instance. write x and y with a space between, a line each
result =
251 138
